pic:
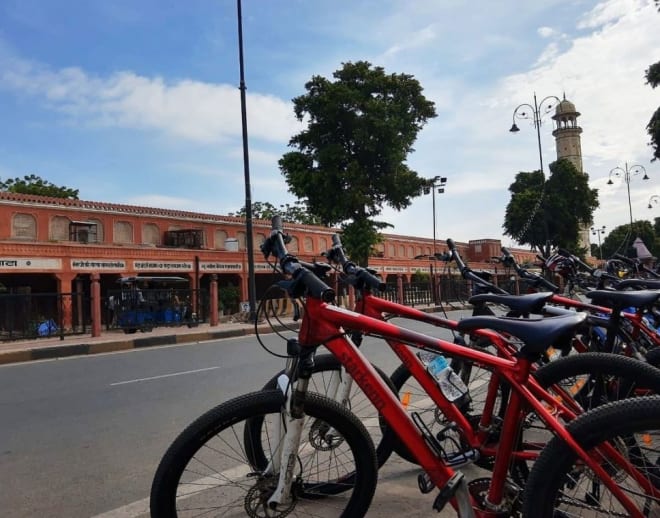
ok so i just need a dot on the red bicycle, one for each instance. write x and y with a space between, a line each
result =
604 461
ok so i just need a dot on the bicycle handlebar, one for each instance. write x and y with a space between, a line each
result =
275 244
537 279
584 266
362 275
469 274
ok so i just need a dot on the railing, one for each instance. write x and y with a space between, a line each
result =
37 315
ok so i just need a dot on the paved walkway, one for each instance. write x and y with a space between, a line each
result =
117 340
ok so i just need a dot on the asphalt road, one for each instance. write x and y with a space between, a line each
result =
82 436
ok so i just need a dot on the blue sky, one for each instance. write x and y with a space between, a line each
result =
137 102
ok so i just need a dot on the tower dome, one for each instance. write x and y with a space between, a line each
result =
565 107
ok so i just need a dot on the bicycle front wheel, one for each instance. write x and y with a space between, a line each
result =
326 374
560 484
214 468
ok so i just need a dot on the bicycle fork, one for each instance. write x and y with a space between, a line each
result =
292 421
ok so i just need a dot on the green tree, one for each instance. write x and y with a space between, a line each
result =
645 230
296 213
653 78
33 184
350 161
547 213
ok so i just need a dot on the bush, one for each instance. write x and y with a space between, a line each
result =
228 298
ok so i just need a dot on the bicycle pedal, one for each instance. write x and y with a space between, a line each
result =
424 483
462 458
448 491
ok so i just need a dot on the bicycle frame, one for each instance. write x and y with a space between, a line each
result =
324 323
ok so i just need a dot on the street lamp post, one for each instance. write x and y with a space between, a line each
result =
437 182
538 111
599 232
627 174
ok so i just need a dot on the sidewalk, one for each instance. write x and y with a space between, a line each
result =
117 340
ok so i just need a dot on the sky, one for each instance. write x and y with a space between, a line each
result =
137 101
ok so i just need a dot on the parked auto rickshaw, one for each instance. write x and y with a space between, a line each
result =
144 302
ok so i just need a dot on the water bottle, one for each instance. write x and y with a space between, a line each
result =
450 383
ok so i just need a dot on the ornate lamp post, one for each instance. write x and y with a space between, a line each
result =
653 199
599 232
535 114
627 174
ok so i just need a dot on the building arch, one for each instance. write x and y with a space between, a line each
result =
123 232
58 228
24 226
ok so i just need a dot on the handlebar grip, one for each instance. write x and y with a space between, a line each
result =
451 244
336 240
276 223
315 286
506 252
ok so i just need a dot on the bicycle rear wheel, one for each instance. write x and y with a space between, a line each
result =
210 469
560 484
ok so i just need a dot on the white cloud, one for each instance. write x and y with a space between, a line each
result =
192 110
546 32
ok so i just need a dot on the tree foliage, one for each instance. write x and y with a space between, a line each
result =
559 206
33 184
296 213
653 127
645 230
350 160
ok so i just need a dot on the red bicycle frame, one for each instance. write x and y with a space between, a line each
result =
324 324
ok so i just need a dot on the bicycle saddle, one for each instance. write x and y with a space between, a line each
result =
525 304
537 334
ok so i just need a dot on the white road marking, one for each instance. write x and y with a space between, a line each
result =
163 376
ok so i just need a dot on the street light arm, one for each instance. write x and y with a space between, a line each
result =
548 107
523 115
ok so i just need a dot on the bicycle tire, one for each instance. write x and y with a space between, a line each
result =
556 472
172 493
326 366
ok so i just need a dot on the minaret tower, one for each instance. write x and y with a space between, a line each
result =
567 133
567 141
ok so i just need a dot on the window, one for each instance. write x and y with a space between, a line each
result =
293 245
58 228
123 232
242 240
186 238
150 234
219 240
82 232
323 243
24 226
308 244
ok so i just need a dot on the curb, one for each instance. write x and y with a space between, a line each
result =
62 351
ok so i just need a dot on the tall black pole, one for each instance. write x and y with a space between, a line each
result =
537 123
252 295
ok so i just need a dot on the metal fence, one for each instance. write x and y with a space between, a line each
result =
36 315
40 315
